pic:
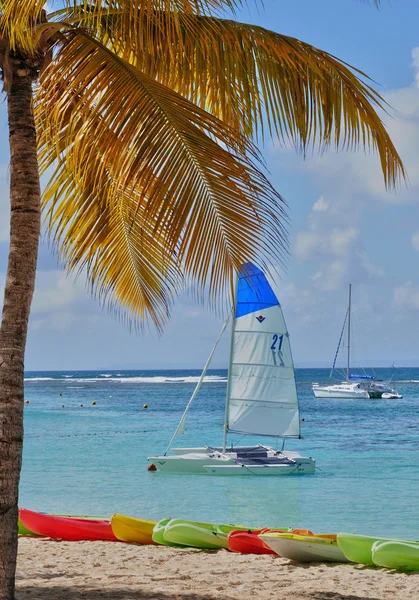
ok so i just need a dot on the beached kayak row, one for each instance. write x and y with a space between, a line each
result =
295 544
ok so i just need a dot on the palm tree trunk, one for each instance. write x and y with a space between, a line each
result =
20 282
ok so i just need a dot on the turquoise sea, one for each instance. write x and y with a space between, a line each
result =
81 458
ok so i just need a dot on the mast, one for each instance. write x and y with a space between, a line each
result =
339 343
349 333
230 362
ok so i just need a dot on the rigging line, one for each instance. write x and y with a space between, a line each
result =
339 343
181 426
239 440
365 366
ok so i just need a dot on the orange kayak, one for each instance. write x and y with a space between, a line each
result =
67 528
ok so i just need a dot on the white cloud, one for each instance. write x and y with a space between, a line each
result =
335 275
415 240
53 291
316 275
306 242
60 301
334 244
57 321
327 235
329 242
57 301
341 239
320 205
415 64
297 303
406 297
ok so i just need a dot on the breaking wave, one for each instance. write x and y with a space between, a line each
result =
151 379
157 379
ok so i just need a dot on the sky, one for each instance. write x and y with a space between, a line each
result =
345 228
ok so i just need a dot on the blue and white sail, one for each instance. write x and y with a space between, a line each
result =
261 392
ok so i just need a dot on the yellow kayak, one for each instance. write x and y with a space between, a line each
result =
129 529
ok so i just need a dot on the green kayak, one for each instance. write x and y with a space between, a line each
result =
158 533
358 548
209 536
403 556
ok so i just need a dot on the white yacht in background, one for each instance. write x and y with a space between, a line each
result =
355 386
346 389
261 397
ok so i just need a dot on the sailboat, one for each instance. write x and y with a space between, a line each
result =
356 385
261 397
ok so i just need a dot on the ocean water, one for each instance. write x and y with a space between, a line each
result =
86 459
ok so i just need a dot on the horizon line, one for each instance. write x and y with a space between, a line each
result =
225 368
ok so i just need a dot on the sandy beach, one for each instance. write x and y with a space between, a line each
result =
51 570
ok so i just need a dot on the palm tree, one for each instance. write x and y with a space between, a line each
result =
144 113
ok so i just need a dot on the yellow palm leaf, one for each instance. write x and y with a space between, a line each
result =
127 260
148 185
247 75
87 12
18 20
106 121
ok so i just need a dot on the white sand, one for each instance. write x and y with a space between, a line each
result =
51 570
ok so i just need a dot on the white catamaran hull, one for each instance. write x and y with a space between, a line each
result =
336 393
303 467
195 460
190 463
359 391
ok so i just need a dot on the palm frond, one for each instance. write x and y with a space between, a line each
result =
87 13
18 20
104 120
124 254
248 76
133 6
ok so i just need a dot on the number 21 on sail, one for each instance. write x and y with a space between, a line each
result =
277 350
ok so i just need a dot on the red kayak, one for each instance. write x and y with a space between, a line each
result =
248 542
67 528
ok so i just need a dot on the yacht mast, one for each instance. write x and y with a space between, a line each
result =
349 333
230 364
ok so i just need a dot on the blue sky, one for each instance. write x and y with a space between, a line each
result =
345 226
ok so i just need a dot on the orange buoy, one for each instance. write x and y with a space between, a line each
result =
151 467
145 405
93 403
